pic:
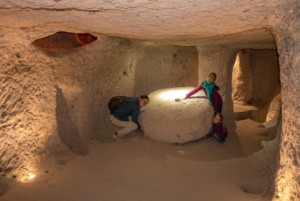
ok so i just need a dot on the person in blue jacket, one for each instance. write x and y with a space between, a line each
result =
126 116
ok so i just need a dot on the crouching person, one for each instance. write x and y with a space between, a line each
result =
218 130
126 115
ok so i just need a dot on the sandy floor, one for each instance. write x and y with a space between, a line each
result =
136 168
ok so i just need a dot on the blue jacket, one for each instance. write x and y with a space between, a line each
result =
130 108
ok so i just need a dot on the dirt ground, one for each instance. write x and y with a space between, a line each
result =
136 168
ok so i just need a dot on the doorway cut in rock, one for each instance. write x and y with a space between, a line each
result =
255 83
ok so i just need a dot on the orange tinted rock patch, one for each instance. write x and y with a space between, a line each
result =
64 40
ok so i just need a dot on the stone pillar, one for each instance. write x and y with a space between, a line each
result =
220 61
287 184
242 78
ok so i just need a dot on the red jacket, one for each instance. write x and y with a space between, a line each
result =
216 100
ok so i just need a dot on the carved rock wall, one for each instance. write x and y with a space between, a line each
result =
265 81
287 184
56 101
160 66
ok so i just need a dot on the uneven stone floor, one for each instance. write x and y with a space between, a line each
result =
137 168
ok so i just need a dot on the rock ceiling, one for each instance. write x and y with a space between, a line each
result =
244 24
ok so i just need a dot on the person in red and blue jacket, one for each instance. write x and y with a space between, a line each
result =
218 130
211 91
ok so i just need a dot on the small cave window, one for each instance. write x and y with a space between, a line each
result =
64 40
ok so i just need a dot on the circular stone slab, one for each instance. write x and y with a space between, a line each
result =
168 118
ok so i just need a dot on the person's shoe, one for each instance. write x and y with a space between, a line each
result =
116 136
218 138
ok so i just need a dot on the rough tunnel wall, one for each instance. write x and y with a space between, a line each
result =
89 77
67 129
265 79
35 83
287 38
27 105
165 67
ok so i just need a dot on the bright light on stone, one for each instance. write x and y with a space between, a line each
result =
31 176
28 177
173 94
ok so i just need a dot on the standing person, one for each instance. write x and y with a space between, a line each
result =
211 91
126 115
218 130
